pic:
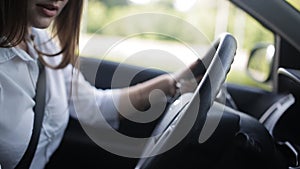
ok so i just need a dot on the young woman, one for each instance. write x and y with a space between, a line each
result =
23 41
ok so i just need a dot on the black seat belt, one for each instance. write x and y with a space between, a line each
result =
39 110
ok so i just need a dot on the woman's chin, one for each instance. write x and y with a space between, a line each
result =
42 24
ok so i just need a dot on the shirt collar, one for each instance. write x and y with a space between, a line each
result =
7 54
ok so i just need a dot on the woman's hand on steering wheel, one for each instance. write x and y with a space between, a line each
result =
187 79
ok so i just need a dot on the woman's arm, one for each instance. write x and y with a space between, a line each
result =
155 91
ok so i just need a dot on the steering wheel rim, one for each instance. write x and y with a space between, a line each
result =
217 62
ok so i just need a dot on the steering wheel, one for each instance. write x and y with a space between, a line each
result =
187 114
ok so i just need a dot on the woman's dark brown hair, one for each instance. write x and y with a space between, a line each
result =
66 26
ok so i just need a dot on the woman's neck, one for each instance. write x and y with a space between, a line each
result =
23 44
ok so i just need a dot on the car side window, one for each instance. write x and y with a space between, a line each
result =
169 34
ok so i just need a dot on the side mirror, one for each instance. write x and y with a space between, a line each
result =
260 62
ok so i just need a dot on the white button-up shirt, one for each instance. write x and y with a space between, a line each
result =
18 76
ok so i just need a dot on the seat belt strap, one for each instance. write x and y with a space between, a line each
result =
39 110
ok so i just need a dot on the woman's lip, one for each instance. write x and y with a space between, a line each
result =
48 10
48 6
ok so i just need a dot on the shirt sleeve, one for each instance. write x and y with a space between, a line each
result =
88 104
